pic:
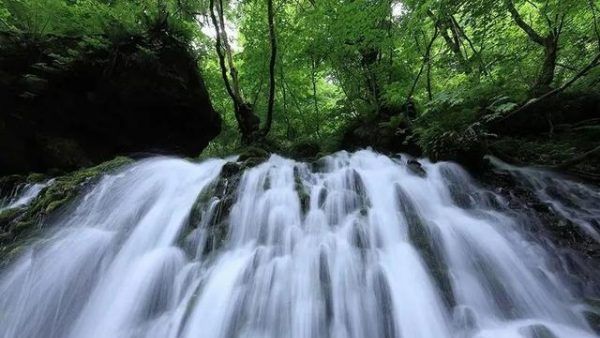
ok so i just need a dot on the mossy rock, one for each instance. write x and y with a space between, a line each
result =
427 242
305 149
303 193
8 184
252 152
18 223
223 190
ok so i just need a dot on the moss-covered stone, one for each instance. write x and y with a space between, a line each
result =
9 183
18 223
303 194
223 191
428 244
253 152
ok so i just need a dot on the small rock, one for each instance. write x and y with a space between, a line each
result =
416 168
537 331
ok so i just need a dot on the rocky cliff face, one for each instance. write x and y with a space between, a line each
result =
73 102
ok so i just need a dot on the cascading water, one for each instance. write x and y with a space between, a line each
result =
359 247
23 196
575 201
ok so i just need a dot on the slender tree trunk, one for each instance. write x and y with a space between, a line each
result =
426 62
429 92
453 41
248 122
315 99
285 108
228 52
593 9
273 43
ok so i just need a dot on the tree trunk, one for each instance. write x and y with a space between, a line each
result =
248 122
543 83
273 43
445 24
315 99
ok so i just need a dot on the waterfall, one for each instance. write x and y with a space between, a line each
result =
23 195
353 245
577 202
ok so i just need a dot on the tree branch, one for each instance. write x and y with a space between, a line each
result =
220 53
594 63
533 35
578 159
426 58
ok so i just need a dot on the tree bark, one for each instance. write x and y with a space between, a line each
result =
273 43
313 80
544 81
545 77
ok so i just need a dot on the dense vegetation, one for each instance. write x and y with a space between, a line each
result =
444 75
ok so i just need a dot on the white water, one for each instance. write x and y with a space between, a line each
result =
369 254
573 200
24 195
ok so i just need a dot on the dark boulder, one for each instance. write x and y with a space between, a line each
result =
551 113
389 131
72 102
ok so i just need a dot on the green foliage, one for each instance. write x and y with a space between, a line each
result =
97 17
463 63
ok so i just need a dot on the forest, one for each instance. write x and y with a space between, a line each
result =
299 168
448 79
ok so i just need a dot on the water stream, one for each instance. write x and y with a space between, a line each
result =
24 195
356 245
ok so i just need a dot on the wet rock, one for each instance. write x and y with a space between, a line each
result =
537 331
254 154
465 319
17 224
387 326
426 241
303 194
230 169
357 186
593 319
592 314
416 168
221 196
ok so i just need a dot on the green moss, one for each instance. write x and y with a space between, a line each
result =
65 188
18 224
253 153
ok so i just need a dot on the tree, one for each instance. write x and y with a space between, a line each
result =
549 42
248 122
272 60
